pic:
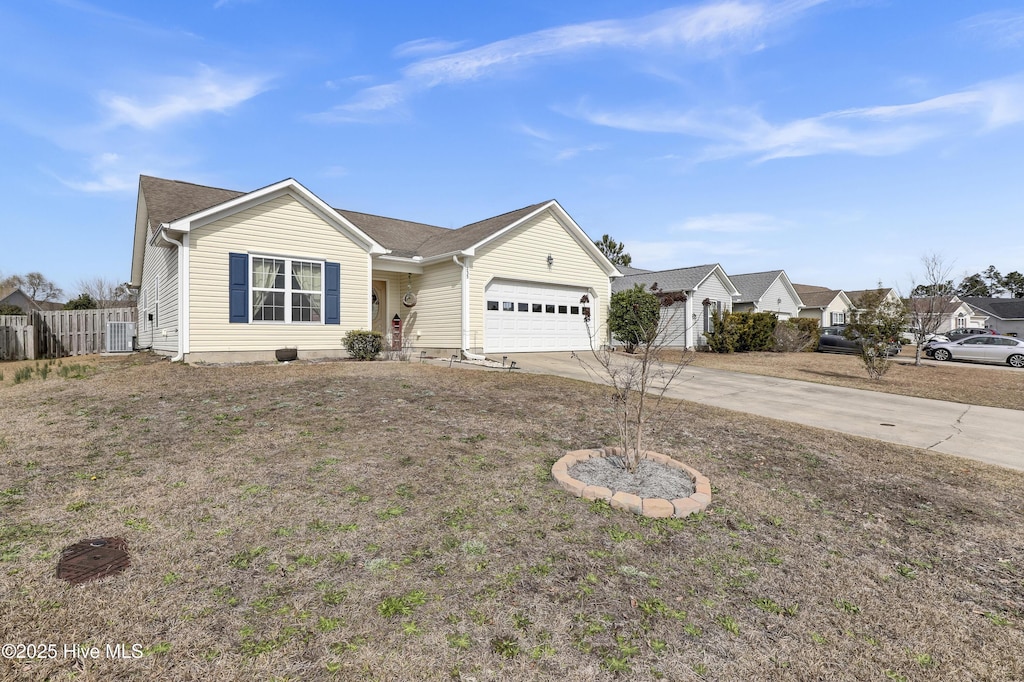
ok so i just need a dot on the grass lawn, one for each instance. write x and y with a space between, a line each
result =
398 521
954 381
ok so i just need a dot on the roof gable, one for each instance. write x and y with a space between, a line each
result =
679 279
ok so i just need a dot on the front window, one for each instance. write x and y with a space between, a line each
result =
286 290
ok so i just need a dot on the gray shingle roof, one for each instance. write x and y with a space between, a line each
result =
753 285
625 270
1003 308
168 200
680 279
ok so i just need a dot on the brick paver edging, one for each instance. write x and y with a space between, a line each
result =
654 507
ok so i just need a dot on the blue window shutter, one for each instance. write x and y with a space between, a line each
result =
332 293
238 274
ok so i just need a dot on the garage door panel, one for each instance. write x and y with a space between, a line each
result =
514 324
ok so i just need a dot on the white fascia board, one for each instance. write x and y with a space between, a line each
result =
298 192
430 260
398 264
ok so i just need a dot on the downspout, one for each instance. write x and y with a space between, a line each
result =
181 338
465 303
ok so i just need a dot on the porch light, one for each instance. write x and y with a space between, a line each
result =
551 260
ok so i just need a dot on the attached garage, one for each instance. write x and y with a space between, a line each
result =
533 317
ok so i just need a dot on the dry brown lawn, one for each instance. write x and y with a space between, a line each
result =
955 382
393 521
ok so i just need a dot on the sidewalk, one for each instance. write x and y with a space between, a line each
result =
986 434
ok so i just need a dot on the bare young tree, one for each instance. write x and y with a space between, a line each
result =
928 300
106 292
640 380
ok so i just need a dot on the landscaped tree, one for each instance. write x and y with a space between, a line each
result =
639 381
614 251
928 301
633 315
876 324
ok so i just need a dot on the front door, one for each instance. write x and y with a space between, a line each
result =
378 312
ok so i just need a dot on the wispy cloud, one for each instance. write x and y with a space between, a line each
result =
111 174
181 97
998 29
573 152
657 255
868 131
704 31
424 46
732 223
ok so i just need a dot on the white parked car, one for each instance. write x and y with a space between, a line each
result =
980 348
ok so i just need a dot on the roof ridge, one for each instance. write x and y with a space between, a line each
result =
384 217
500 215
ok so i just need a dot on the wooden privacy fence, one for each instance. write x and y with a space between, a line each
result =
58 333
17 338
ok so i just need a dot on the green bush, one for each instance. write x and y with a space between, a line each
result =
633 317
363 345
754 331
723 338
10 309
83 302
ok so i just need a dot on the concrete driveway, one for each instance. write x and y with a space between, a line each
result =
987 434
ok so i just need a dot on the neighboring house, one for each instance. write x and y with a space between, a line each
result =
17 297
770 292
829 307
708 289
952 313
228 275
889 295
1005 315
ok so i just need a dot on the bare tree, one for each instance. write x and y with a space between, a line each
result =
640 380
106 292
35 285
926 305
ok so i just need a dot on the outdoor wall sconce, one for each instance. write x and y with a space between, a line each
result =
551 260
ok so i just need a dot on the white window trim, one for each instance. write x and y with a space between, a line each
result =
288 291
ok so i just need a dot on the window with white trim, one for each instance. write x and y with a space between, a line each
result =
286 290
837 319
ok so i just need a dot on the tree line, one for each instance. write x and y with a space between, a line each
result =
987 284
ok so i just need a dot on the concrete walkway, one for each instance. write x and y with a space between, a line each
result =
987 434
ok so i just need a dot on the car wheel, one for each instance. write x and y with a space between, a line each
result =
1015 360
941 354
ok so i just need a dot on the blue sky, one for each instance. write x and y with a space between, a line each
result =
838 140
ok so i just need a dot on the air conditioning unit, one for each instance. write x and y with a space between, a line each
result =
120 337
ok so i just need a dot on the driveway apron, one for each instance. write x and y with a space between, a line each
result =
986 434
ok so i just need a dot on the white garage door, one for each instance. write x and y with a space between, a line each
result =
525 316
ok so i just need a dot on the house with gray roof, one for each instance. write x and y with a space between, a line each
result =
1005 315
230 275
708 290
828 306
769 291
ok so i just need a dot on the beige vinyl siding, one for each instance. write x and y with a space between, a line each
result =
159 264
278 227
521 254
436 320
